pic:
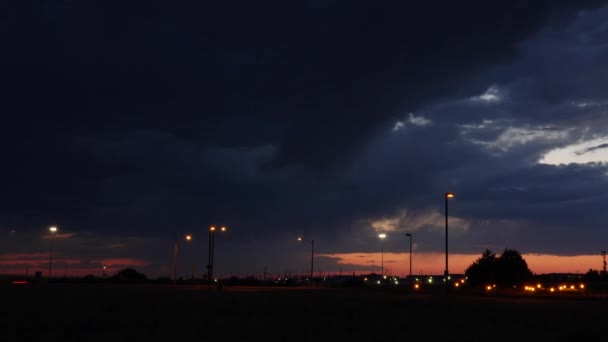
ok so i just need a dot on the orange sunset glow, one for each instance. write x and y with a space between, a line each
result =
434 263
24 263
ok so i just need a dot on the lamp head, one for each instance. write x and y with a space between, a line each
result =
449 195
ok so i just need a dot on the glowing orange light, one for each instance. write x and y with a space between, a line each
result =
223 229
449 195
212 228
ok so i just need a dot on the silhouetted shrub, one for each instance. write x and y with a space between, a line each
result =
507 270
129 275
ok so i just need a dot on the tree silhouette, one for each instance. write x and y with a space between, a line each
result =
592 275
512 269
483 270
129 274
509 269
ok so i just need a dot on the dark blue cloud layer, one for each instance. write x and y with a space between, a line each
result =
274 117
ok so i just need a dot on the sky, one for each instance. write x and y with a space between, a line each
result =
130 124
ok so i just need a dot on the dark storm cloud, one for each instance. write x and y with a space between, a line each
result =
299 66
141 116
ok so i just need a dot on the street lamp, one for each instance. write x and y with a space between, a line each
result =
103 272
312 257
447 196
382 236
212 230
410 235
53 230
188 238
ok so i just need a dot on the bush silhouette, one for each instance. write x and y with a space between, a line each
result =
129 275
507 270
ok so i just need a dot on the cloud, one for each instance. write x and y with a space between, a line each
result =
493 94
215 115
589 151
509 137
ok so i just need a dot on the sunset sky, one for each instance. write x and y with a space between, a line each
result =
128 126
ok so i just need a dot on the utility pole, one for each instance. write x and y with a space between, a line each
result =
604 257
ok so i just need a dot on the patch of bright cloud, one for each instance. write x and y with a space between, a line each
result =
493 94
587 104
386 224
510 137
590 151
519 136
398 125
413 120
471 126
418 120
404 220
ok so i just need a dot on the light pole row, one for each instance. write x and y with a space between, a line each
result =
447 196
53 230
382 236
312 257
188 238
212 230
210 261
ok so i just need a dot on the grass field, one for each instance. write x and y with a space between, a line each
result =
60 312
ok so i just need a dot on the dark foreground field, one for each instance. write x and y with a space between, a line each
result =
140 313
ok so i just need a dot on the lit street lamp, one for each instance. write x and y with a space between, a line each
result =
312 257
212 230
410 235
382 236
188 238
447 196
53 230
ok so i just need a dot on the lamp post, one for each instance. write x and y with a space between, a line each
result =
103 272
212 230
53 230
447 196
312 257
410 235
188 237
382 236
